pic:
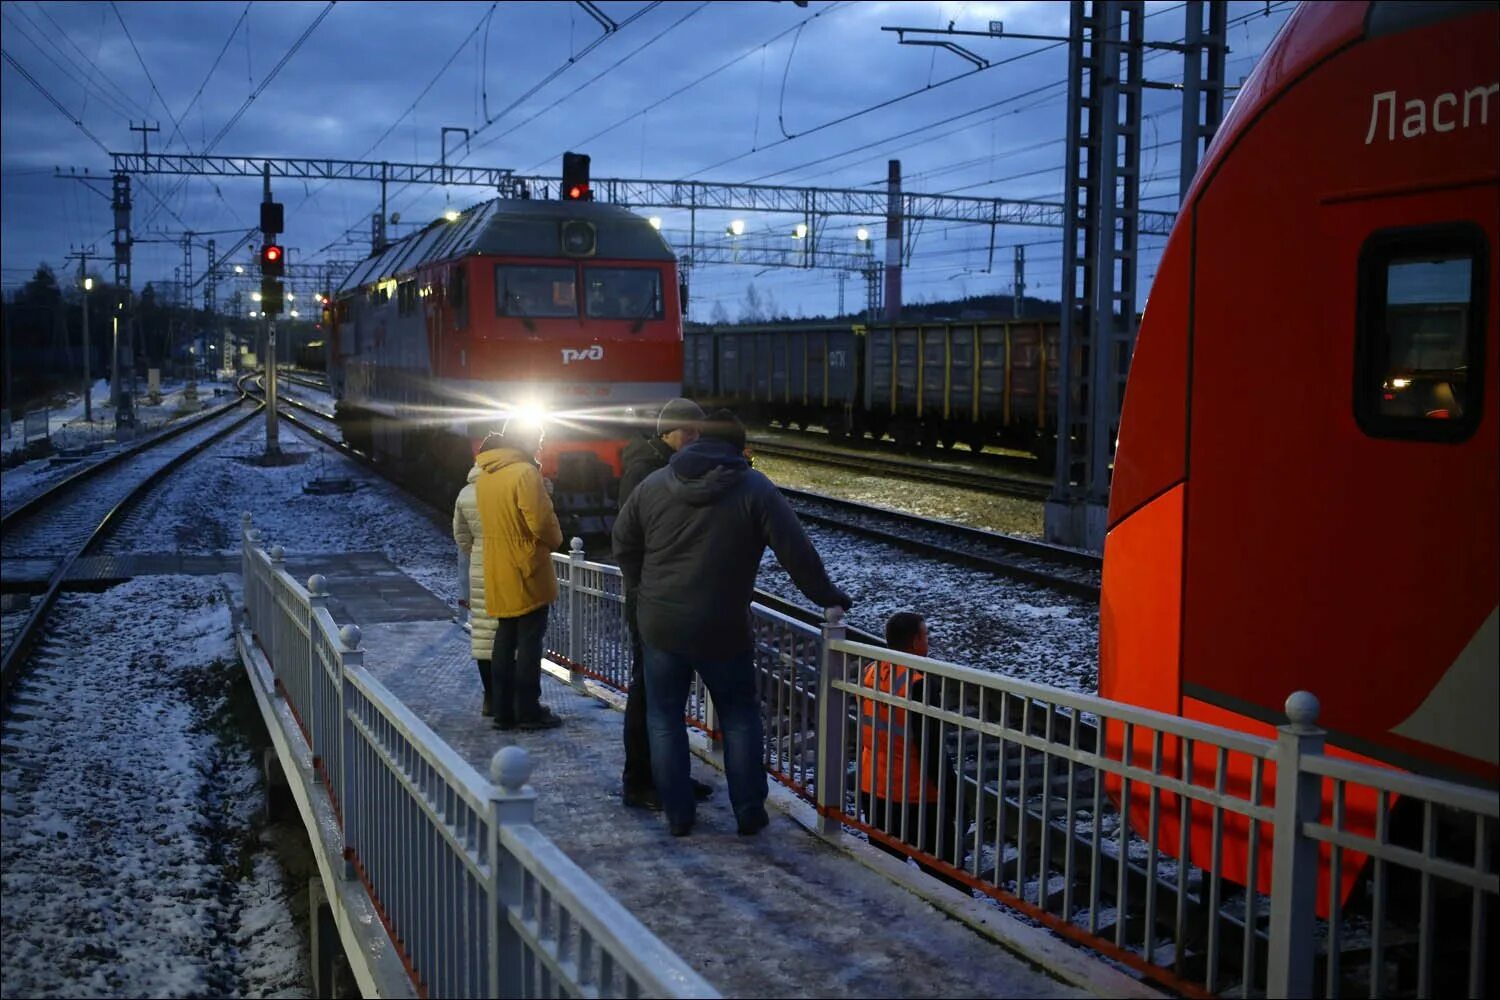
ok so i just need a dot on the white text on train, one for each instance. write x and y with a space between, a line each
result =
594 353
1444 113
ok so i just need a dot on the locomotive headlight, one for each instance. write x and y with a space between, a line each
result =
1400 383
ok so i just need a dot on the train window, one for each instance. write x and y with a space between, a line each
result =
1420 340
406 297
522 290
623 292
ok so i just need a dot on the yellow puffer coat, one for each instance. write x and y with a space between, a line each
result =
468 532
520 531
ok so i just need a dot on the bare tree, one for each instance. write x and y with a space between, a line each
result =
719 316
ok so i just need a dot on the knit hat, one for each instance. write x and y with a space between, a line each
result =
677 414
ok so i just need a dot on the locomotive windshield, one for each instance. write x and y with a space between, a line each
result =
535 291
623 292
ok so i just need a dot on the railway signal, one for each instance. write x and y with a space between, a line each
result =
575 178
272 297
272 260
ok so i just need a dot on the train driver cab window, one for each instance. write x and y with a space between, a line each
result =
623 292
1421 334
535 291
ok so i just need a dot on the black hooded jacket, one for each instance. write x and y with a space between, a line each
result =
639 459
689 541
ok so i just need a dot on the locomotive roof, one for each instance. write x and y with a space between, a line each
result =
513 227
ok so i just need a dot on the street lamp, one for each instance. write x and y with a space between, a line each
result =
294 314
800 231
862 234
737 227
255 297
238 269
88 377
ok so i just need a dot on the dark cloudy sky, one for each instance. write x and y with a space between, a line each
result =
379 80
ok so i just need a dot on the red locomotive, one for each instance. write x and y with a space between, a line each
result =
1305 496
567 309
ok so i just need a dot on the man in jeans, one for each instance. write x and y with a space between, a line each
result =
676 427
520 532
690 540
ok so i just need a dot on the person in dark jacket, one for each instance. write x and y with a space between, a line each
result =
690 539
676 428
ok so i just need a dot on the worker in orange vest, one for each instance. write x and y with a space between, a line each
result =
900 797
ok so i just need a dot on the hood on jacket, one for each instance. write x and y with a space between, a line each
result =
496 459
475 471
652 449
704 470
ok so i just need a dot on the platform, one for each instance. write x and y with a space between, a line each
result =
782 914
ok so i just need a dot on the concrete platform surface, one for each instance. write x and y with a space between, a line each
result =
781 914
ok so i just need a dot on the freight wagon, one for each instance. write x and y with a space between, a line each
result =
928 385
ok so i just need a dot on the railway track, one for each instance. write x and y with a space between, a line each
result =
74 517
1068 571
917 470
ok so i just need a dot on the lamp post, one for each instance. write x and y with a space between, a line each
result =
88 378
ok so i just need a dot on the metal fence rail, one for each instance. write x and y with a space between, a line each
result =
478 902
1113 824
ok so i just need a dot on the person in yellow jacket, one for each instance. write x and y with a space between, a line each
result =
520 530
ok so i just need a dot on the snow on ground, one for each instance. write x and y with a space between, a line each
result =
70 431
132 865
198 511
974 619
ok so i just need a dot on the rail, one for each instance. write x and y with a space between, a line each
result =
1016 790
476 900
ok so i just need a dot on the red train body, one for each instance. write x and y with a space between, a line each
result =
565 307
1310 501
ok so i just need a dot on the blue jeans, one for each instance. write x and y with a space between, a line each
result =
731 683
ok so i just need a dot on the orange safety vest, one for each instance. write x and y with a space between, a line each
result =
883 740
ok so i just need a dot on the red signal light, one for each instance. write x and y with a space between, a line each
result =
273 254
578 192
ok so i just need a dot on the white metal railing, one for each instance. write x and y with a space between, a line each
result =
477 900
1060 804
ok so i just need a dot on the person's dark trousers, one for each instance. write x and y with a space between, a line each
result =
517 687
637 774
731 684
486 678
925 828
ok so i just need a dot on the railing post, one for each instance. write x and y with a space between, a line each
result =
512 803
832 711
1294 857
349 805
575 611
317 600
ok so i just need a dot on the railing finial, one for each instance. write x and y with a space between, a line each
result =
317 585
576 545
1302 708
244 519
833 615
350 635
278 554
510 768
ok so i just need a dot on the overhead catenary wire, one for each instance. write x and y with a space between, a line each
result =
692 83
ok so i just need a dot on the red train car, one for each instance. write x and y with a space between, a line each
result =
564 308
1305 491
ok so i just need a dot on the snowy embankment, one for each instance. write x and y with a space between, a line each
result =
133 859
